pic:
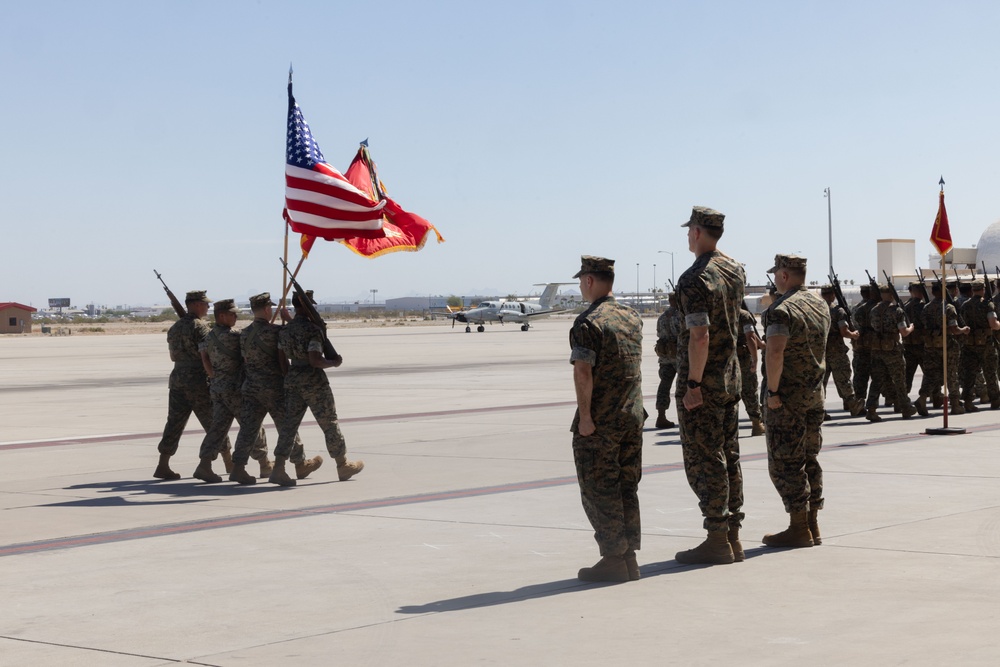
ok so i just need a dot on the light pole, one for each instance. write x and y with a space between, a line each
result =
656 299
667 252
374 292
637 285
829 223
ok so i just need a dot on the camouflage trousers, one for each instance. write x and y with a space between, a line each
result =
794 438
976 359
710 442
748 391
188 393
608 468
839 366
668 371
259 400
307 387
888 378
914 356
976 384
934 372
226 405
862 366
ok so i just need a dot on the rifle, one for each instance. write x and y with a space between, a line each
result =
173 299
874 285
313 316
673 288
895 296
950 301
841 301
923 285
986 283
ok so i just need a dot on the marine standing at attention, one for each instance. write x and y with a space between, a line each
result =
188 382
307 386
606 353
667 328
797 330
837 363
708 388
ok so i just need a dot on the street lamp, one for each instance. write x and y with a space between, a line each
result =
667 252
374 292
656 298
829 223
637 285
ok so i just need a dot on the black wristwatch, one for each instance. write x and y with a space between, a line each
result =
773 393
692 384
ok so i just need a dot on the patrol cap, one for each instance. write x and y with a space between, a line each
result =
978 284
885 287
915 284
827 289
702 216
258 301
788 262
309 295
592 264
936 285
952 283
197 295
226 306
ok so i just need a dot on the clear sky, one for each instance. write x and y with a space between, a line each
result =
142 135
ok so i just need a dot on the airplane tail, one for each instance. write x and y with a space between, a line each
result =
548 295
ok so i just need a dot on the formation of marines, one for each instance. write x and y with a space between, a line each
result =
707 340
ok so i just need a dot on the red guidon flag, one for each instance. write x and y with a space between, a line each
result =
941 234
319 201
404 231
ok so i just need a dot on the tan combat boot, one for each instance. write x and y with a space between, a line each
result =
921 406
227 459
661 419
907 410
970 406
609 568
266 467
715 550
756 427
163 470
241 476
795 536
303 469
857 408
814 526
734 542
632 564
205 473
278 475
872 415
956 408
348 469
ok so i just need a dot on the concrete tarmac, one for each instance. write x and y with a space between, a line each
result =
460 542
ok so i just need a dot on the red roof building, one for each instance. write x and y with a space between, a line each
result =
15 317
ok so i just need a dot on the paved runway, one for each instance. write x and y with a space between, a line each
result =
460 541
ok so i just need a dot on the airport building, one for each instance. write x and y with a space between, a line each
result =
15 317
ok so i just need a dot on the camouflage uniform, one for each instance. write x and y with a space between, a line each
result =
794 430
748 383
667 327
306 387
978 352
709 294
888 367
608 337
933 342
222 345
862 348
263 388
837 363
913 345
188 383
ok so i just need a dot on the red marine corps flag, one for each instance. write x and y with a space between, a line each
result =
404 231
941 234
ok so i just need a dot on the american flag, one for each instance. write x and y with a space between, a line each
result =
318 199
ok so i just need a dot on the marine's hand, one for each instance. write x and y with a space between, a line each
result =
692 399
773 402
285 315
586 426
337 361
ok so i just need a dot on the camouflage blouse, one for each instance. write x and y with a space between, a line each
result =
805 319
709 294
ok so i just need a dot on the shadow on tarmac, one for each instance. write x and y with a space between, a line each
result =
176 492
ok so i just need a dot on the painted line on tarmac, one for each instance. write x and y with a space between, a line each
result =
111 537
119 437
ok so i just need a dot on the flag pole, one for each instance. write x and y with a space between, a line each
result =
943 232
287 287
284 274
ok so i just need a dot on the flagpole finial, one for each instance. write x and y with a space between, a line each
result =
365 142
941 182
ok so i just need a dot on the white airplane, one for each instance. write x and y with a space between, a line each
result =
520 312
